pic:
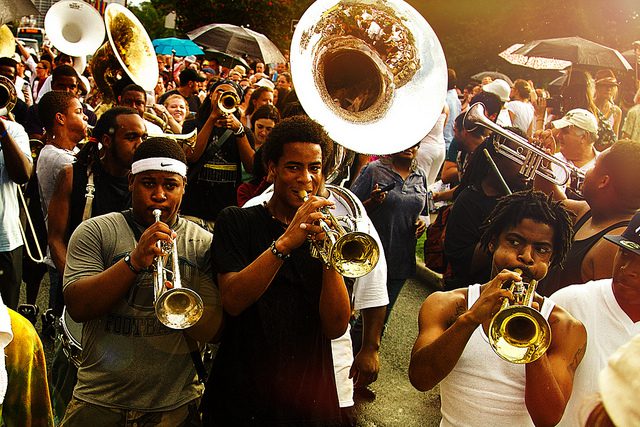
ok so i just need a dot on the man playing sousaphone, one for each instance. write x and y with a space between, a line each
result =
478 388
133 368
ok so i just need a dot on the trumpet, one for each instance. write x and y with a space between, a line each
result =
228 102
351 253
534 160
8 97
518 333
175 307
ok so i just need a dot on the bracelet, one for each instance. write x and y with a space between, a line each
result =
277 253
240 131
127 260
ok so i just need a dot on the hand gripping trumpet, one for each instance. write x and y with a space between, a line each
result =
518 333
534 160
351 253
176 307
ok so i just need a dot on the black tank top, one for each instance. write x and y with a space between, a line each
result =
571 272
111 194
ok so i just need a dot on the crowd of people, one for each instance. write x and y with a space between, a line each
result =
244 200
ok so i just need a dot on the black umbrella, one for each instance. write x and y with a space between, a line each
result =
224 59
577 50
237 41
493 74
12 10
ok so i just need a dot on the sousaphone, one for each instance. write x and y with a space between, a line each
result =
74 27
372 72
128 53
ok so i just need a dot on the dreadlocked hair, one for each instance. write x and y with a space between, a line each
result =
536 206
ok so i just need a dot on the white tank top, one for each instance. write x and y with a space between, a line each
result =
474 395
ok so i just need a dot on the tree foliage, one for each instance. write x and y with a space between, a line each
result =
471 32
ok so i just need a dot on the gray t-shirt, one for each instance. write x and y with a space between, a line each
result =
129 359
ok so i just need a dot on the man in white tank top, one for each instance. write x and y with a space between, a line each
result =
477 387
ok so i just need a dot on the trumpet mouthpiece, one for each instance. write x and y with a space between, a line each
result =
156 214
303 195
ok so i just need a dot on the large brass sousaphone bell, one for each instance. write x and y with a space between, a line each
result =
372 72
128 52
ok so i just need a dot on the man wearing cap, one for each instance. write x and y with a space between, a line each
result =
576 133
189 88
502 90
611 197
134 369
610 310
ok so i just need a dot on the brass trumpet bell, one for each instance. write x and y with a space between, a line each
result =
350 252
8 95
228 102
361 67
129 52
354 254
518 333
175 307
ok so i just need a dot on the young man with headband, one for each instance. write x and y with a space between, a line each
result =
133 368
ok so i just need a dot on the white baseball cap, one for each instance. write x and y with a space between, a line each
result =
620 384
578 117
498 87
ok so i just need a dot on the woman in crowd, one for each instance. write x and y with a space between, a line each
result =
264 120
261 96
395 211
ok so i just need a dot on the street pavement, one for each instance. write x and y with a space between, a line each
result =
397 403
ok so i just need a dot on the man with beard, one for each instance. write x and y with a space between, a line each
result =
96 184
478 388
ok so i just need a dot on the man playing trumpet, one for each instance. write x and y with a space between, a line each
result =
274 364
134 369
528 232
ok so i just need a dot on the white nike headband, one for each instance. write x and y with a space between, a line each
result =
163 164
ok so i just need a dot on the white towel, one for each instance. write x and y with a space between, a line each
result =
6 335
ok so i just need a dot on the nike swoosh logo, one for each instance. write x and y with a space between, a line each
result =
164 165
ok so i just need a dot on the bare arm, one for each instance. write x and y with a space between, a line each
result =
549 380
58 217
18 166
449 172
239 290
366 364
445 326
93 296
